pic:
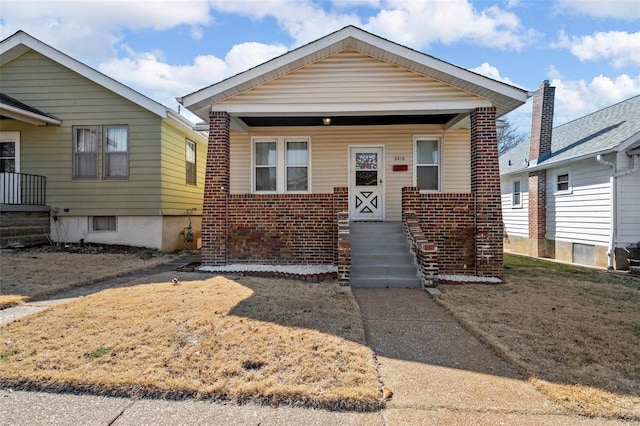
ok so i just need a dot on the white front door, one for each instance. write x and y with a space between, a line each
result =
9 166
366 194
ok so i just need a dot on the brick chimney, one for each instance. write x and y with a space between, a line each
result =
541 123
541 128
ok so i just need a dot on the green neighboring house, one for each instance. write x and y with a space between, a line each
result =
100 162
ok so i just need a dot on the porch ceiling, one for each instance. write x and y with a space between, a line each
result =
362 120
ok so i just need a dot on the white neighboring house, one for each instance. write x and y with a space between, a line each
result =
572 192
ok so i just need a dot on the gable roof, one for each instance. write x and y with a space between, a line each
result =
20 43
13 108
503 96
611 129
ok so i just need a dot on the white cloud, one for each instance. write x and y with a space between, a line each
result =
450 22
150 74
490 71
619 47
619 9
577 98
404 21
90 29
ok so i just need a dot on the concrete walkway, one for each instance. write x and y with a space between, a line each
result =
438 372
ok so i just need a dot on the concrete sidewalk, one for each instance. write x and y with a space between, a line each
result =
439 373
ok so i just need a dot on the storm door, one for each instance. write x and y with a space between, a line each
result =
366 194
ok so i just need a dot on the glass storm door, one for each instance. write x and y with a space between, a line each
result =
9 166
365 191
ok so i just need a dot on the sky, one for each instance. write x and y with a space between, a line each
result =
588 49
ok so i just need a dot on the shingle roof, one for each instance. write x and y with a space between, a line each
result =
12 102
598 132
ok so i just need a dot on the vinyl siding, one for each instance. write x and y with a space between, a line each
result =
350 77
177 196
329 157
584 215
628 208
42 83
516 220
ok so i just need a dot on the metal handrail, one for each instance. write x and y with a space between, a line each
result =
23 189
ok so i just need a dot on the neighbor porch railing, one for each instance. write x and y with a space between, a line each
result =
23 189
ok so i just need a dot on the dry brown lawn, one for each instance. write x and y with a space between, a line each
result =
34 273
574 331
273 341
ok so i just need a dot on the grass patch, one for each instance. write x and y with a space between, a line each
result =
572 329
34 273
9 300
252 339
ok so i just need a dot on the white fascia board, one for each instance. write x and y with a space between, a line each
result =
28 116
445 107
82 69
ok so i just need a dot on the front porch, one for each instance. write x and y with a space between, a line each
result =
24 215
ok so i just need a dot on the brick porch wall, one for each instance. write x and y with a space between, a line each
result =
284 228
447 221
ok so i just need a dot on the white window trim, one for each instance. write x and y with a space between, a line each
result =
195 162
417 138
567 191
281 163
513 193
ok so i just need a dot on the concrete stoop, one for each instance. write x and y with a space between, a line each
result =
381 257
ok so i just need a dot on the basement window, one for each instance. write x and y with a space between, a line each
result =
103 224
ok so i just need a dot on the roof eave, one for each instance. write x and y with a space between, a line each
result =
364 42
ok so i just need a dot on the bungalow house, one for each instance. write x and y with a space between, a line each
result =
572 192
85 158
358 127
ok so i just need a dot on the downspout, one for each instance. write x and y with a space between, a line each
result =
614 200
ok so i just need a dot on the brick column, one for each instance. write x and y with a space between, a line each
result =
538 212
216 191
485 185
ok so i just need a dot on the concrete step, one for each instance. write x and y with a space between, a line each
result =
379 227
386 282
397 270
369 259
379 249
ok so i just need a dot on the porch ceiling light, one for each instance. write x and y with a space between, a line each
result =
326 121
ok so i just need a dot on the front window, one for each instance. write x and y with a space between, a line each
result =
116 152
85 152
427 163
281 165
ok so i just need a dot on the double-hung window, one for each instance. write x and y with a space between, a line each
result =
116 152
85 152
516 195
281 165
427 162
190 156
563 182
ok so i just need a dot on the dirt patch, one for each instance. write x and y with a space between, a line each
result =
272 341
40 271
574 331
